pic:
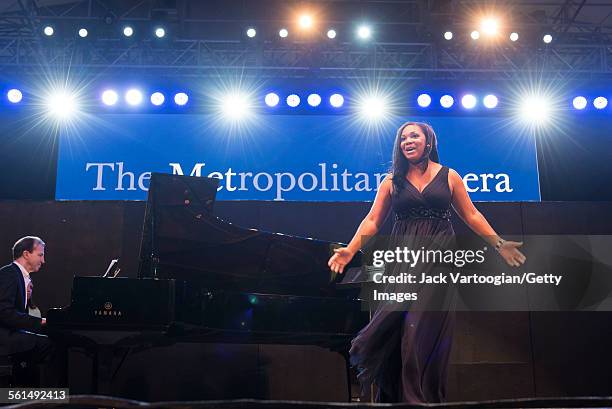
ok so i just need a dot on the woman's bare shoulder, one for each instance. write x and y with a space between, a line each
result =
387 183
453 174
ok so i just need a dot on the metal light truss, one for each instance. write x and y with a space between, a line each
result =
581 51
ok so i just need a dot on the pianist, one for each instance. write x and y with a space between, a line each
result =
20 335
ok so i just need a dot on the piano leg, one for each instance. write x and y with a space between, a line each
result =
347 364
102 370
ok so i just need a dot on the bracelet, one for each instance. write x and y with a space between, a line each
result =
499 244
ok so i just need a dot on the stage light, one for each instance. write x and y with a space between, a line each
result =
600 102
535 109
424 100
283 33
251 32
475 35
547 38
133 97
128 31
314 100
271 99
514 37
446 101
579 102
83 32
364 32
160 32
157 98
48 30
235 106
61 104
109 97
448 35
180 98
14 96
373 108
305 21
336 100
468 101
489 26
293 100
490 101
331 33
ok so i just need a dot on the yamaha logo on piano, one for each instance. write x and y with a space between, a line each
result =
107 311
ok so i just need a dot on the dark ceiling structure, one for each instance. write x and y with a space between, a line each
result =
207 38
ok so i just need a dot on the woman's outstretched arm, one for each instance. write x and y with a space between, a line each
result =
369 226
476 221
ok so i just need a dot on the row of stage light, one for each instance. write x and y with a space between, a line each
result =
489 29
135 97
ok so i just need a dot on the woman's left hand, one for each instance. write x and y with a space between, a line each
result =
511 254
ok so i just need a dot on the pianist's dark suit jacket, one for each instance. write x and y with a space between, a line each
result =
13 314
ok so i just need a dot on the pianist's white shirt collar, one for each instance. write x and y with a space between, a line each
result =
26 281
26 274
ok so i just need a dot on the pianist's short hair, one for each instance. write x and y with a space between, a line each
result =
26 243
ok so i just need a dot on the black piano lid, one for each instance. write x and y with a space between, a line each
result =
183 239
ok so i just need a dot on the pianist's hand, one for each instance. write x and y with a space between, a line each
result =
43 321
340 259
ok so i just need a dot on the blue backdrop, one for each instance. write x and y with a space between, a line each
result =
283 157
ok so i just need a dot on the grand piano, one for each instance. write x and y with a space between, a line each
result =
203 279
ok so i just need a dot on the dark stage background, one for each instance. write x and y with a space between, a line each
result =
495 355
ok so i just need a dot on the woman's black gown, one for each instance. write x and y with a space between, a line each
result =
406 353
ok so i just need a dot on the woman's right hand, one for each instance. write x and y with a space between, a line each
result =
340 259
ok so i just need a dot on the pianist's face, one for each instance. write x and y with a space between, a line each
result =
34 259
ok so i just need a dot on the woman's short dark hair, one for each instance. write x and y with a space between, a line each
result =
400 163
26 243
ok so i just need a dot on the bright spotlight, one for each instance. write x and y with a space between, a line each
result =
271 99
490 101
448 35
489 26
251 32
579 102
547 38
180 98
128 31
424 100
468 101
293 100
48 30
14 96
446 101
331 33
373 107
133 97
305 21
160 32
235 106
283 33
600 102
475 35
110 97
157 98
514 37
336 100
83 32
61 104
364 32
535 109
314 100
